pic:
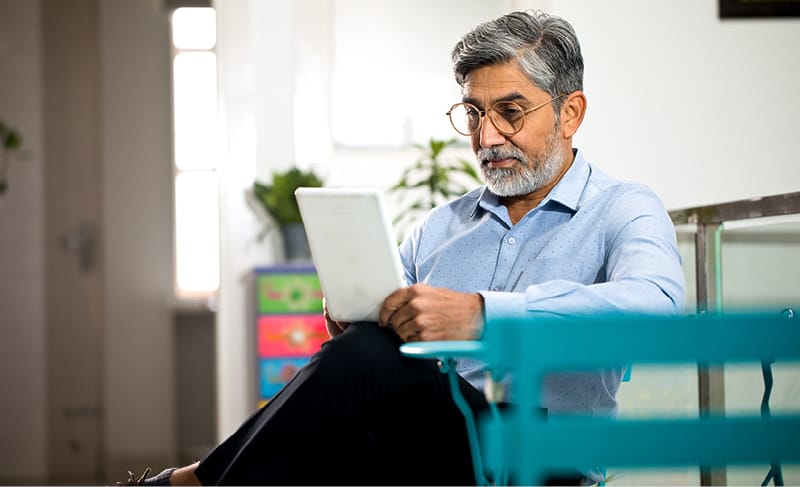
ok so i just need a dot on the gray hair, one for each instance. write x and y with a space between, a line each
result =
545 47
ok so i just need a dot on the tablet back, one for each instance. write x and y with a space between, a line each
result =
353 248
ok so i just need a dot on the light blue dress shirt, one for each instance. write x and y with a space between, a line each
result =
593 244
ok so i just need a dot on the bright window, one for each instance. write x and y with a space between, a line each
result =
196 231
195 108
196 154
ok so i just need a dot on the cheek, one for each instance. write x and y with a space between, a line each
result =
475 143
533 144
523 145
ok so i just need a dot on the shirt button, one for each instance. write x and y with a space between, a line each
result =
512 240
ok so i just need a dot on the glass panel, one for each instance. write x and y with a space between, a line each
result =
195 98
761 264
761 271
194 28
658 392
197 232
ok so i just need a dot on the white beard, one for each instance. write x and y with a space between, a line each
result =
526 178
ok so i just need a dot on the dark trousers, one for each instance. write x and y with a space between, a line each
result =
358 414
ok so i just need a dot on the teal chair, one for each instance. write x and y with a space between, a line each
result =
523 449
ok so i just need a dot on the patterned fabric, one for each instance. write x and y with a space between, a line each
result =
593 244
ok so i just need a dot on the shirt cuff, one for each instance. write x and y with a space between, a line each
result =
501 305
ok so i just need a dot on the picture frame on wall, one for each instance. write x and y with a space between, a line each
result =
758 8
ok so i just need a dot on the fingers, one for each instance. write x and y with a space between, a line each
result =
391 305
334 327
408 331
422 312
398 307
405 309
404 317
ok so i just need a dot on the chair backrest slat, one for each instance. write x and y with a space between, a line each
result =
594 342
531 348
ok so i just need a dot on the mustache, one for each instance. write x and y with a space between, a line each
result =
486 155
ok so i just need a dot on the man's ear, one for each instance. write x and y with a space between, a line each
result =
572 112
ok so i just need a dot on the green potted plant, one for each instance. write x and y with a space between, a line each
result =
278 201
433 179
10 141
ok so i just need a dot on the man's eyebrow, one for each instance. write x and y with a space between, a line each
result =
515 96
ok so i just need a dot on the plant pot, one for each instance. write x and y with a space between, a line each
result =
295 242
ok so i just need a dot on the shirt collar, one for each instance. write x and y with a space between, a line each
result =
567 192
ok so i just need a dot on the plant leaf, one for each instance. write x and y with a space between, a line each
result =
279 199
431 179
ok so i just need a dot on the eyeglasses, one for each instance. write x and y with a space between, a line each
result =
506 116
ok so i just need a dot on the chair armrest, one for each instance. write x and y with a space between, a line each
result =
444 349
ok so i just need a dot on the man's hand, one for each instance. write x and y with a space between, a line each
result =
334 328
425 313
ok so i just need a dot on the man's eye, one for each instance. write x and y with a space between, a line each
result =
510 112
472 113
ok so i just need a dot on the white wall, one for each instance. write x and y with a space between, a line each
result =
702 109
257 113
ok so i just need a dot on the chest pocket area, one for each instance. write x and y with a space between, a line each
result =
542 270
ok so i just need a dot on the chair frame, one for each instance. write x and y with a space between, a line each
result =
528 448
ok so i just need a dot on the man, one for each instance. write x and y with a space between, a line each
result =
548 232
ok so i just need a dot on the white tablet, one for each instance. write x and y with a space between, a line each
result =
353 248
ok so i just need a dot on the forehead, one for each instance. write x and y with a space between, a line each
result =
491 83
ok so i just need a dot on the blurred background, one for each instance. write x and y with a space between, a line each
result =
129 246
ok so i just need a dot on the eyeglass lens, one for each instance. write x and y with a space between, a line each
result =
507 117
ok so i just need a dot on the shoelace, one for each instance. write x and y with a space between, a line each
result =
132 480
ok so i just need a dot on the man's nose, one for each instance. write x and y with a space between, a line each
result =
488 134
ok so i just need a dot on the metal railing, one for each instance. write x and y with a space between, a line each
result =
709 221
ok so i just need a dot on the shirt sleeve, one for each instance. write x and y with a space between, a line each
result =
642 269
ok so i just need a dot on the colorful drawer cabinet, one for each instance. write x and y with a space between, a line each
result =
289 323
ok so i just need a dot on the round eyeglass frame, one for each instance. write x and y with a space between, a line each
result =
484 112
